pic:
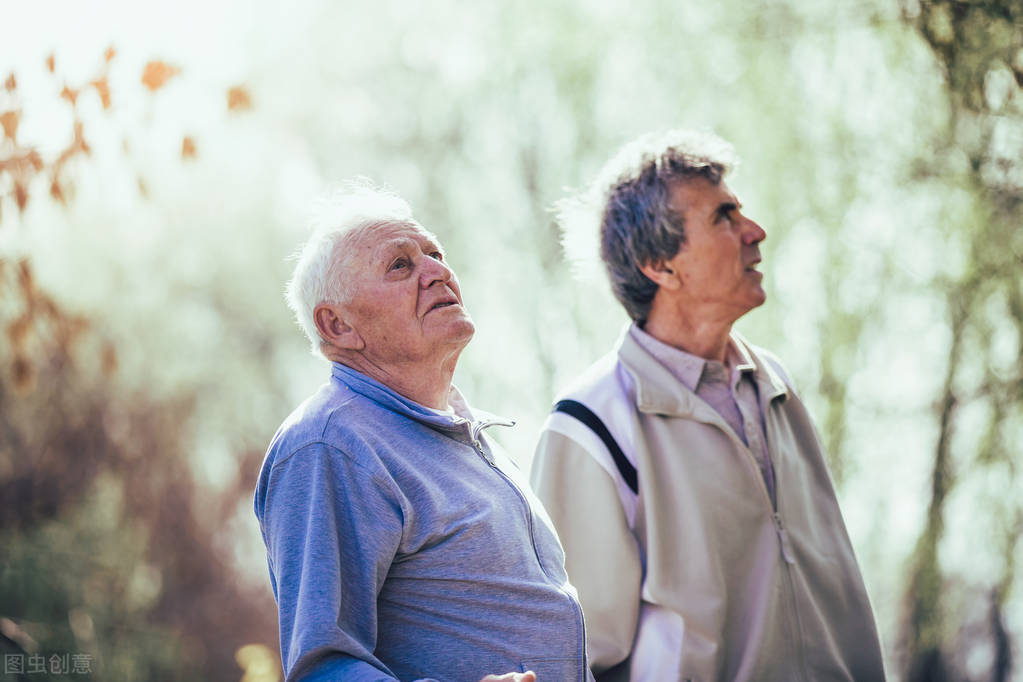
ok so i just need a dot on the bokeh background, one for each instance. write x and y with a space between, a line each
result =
157 166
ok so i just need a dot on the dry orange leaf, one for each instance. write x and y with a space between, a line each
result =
157 73
238 99
20 195
103 90
56 191
109 53
10 83
9 122
25 278
51 63
79 141
187 148
69 94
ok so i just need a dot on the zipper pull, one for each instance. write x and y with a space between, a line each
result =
476 428
783 539
477 444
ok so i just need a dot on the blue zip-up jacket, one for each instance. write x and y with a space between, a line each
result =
402 544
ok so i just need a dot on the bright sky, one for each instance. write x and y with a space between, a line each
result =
190 32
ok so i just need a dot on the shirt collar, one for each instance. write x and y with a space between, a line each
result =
685 367
660 390
740 360
388 398
688 368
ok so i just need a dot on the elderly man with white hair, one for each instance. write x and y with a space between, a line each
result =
402 542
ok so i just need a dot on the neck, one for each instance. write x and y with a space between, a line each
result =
702 336
427 383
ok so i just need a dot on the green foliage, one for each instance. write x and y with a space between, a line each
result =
81 583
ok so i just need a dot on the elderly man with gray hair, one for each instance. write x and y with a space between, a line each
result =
402 542
682 471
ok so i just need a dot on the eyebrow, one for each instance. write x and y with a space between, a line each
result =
725 207
385 249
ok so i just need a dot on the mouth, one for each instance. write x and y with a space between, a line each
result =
752 267
443 303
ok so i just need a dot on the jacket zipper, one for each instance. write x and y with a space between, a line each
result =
474 433
784 545
786 552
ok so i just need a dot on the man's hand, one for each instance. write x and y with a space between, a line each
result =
528 676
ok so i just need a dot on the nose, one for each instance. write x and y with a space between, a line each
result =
434 270
752 233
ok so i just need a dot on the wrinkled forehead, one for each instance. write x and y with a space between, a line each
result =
373 241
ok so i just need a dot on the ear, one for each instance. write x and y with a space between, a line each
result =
662 274
334 330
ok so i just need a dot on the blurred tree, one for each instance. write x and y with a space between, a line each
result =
108 550
979 46
880 151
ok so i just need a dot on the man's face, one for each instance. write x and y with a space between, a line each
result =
717 262
403 301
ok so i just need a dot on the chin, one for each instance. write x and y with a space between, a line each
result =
468 329
462 331
756 300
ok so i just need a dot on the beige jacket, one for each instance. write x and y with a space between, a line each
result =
698 576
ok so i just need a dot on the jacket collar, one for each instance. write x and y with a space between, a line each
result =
659 392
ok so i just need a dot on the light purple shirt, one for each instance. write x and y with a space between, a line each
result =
731 390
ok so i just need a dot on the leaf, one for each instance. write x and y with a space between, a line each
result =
103 90
69 94
157 73
51 64
109 54
79 140
238 99
56 191
10 83
25 279
20 195
9 122
187 148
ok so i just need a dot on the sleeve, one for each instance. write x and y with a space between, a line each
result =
601 554
332 532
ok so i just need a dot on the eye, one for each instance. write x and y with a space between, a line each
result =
437 255
726 212
399 264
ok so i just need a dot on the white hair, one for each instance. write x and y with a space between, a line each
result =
319 273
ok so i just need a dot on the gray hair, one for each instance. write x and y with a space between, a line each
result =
630 200
318 276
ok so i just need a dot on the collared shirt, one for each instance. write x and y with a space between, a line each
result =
730 389
403 543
